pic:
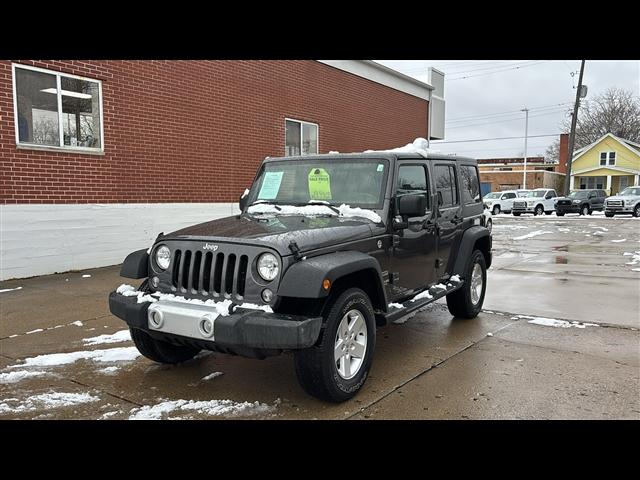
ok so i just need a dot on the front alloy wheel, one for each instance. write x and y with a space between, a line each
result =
636 211
466 302
337 366
539 210
585 210
496 210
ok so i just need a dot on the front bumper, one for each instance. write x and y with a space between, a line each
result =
618 209
244 328
522 209
568 208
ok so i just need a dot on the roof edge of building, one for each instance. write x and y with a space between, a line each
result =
378 73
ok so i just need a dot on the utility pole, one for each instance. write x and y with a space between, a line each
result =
572 134
526 134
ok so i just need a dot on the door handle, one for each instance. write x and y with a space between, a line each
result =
456 220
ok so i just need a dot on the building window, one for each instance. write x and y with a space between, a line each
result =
54 109
301 138
623 183
610 155
591 183
505 169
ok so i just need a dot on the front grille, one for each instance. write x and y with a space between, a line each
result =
564 202
519 204
614 203
209 273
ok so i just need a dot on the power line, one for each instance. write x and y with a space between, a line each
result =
505 120
507 112
435 142
497 71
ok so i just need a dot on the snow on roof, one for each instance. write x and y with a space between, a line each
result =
419 145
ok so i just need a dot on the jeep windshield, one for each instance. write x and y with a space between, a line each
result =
635 191
353 182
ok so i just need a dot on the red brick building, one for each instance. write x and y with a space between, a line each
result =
97 157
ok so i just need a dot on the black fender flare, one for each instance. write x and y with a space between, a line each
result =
469 238
136 265
304 278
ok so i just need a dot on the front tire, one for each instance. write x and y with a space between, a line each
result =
467 301
636 211
585 210
539 210
560 214
516 214
496 210
336 368
159 351
489 225
609 214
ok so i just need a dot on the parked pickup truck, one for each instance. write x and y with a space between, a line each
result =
538 201
499 202
628 201
327 247
583 202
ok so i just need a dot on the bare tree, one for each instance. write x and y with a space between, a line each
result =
616 111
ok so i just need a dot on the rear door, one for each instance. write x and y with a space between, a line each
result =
448 211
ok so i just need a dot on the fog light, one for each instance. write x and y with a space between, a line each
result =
267 295
155 319
155 281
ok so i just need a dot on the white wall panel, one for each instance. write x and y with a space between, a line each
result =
44 239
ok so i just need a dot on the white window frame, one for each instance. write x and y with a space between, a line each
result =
615 159
301 122
608 158
60 146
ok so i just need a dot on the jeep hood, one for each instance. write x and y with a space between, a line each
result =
277 232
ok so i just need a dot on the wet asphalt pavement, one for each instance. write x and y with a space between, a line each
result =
431 366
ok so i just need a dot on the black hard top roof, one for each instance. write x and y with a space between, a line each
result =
377 154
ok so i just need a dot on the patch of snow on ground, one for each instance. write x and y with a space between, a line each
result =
34 331
77 323
121 354
108 415
619 241
120 336
227 408
211 376
109 370
552 322
532 234
46 400
10 289
635 258
19 375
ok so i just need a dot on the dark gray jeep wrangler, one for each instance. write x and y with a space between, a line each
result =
326 249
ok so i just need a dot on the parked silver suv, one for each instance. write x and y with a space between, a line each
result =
627 202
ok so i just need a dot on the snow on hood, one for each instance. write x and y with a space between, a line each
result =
346 211
419 146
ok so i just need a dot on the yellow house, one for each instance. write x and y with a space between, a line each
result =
610 163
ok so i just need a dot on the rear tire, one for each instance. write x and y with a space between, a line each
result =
319 372
636 211
159 351
467 301
560 214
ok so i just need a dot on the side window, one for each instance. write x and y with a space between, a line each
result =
470 184
412 179
446 185
552 193
511 195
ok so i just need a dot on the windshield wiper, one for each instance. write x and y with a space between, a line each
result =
266 202
322 202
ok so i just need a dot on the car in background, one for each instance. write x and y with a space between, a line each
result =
627 202
499 202
522 193
537 201
487 220
583 202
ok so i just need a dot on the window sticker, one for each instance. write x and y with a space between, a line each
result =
319 184
270 185
380 167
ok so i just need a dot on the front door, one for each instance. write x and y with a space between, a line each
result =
448 212
414 250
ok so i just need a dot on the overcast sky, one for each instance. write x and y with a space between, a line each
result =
484 98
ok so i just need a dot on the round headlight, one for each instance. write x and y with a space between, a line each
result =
268 266
163 257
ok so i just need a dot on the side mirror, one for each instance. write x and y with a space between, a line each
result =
243 200
549 196
412 205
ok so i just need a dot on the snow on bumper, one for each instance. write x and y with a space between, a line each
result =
240 327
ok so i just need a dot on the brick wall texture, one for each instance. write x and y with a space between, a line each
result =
196 131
